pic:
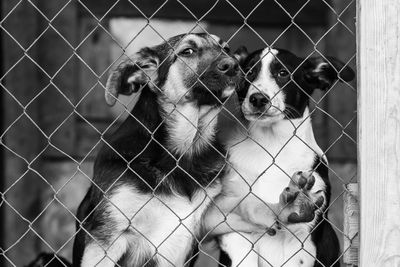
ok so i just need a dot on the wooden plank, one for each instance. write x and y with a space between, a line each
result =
379 131
2 154
351 238
222 12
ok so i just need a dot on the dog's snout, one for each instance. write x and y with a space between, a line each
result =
228 66
259 100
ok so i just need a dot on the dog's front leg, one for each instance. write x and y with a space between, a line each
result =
233 213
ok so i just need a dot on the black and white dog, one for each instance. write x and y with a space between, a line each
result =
156 175
277 190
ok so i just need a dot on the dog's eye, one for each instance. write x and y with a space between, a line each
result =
283 74
226 49
186 52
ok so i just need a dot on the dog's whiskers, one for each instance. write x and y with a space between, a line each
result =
291 111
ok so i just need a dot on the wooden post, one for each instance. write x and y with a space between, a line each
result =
351 238
379 131
2 156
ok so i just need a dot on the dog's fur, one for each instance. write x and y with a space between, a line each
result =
156 175
284 210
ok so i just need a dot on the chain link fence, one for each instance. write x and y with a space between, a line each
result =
56 57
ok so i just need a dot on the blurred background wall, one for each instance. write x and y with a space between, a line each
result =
56 57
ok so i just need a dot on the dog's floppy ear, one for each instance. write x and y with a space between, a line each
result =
131 75
241 54
321 73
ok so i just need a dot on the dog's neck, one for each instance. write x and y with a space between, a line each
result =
145 113
191 129
145 138
184 129
282 131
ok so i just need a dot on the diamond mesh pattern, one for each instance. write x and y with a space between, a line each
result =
53 113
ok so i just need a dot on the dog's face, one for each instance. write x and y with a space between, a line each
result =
278 84
193 68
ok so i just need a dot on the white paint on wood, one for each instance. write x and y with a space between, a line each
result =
379 131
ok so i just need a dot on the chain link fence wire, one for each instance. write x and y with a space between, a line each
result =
56 56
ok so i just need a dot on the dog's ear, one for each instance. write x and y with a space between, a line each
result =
132 75
241 54
321 73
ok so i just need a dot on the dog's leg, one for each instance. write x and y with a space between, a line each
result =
217 223
104 256
232 213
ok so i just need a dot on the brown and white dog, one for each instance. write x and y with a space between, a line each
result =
156 175
277 189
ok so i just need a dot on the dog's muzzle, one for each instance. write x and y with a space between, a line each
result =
228 66
219 82
259 102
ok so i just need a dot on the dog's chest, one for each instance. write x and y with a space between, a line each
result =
268 163
160 216
168 222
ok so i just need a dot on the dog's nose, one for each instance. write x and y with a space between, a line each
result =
258 100
228 66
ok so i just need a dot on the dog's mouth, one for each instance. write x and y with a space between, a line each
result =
228 91
259 115
268 115
263 119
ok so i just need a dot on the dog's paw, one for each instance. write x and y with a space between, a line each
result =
297 201
306 181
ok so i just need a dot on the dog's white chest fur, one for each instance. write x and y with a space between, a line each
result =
175 221
191 128
266 161
284 249
269 158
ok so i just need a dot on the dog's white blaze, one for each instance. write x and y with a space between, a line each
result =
267 85
175 220
276 152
